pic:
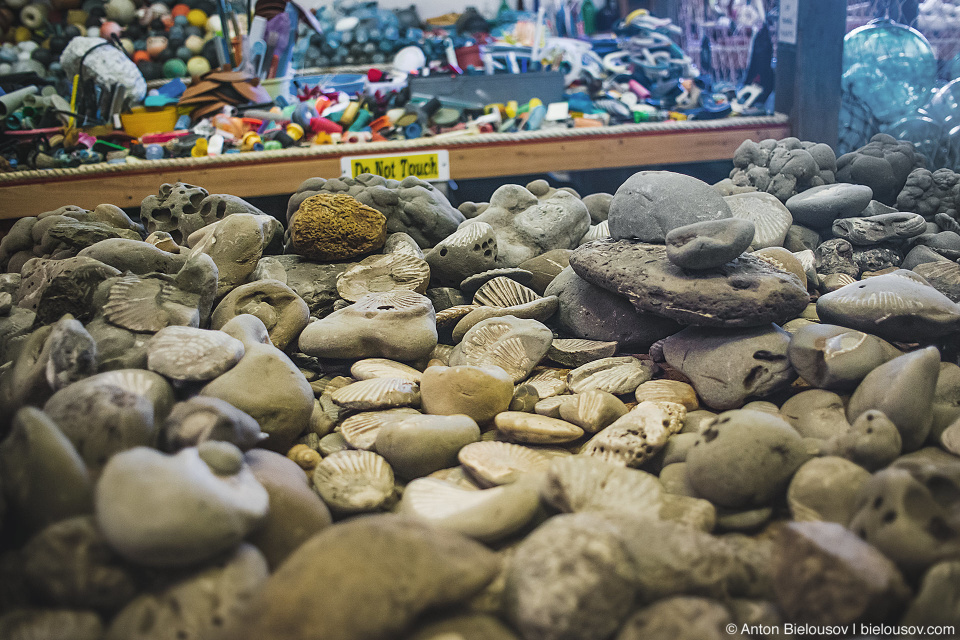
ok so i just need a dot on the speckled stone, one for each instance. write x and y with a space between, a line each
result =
745 293
331 227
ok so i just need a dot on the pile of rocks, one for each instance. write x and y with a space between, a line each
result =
667 412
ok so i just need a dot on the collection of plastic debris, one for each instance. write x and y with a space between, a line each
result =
116 83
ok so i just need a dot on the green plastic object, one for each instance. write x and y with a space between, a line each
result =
588 12
174 68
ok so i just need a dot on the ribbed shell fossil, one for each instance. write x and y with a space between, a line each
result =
504 292
360 430
614 375
593 410
669 391
185 353
452 315
150 304
382 273
383 368
583 483
496 463
514 345
548 382
377 393
354 482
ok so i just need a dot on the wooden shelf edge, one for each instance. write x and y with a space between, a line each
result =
283 175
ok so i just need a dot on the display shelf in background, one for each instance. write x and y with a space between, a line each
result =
29 193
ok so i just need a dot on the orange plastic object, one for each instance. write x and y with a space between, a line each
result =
380 123
179 10
140 56
585 123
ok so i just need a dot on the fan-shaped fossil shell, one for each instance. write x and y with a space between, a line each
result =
504 292
185 353
512 344
593 410
669 391
584 483
355 482
150 304
496 463
383 273
548 382
370 368
360 430
452 315
377 393
614 375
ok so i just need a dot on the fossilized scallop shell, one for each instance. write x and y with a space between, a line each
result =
496 463
185 353
512 344
504 292
442 352
576 352
452 315
402 301
377 393
370 368
596 232
583 483
360 430
614 375
383 273
149 304
456 476
548 382
355 482
669 391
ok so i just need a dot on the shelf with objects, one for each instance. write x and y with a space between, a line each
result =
240 109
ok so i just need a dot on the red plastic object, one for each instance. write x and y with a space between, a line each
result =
374 75
160 138
467 56
323 124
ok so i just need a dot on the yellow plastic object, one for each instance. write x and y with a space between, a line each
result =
144 120
295 131
199 149
323 138
249 139
534 103
197 18
22 34
512 107
349 114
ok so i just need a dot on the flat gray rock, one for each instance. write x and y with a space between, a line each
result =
819 206
899 306
652 203
745 293
880 228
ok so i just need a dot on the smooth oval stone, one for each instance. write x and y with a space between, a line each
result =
514 344
903 389
388 569
70 564
593 313
394 325
200 604
572 352
531 428
419 445
709 244
135 256
265 384
188 354
816 413
899 306
744 459
681 618
818 207
770 218
728 366
922 254
833 357
826 489
818 564
296 511
101 419
873 441
651 203
480 392
487 515
281 310
335 226
570 578
196 511
744 293
43 476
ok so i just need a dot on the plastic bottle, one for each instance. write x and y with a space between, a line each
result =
588 12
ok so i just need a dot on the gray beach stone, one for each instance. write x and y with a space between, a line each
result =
709 244
819 206
652 203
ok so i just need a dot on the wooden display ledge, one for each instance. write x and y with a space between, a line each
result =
29 193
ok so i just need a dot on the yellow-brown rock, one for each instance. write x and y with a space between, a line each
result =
335 226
